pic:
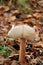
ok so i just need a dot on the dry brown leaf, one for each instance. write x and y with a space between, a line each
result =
1 12
41 36
37 15
39 44
27 20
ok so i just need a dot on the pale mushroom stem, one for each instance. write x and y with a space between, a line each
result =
22 51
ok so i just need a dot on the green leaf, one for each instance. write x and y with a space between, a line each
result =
12 39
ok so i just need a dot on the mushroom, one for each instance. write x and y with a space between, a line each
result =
22 32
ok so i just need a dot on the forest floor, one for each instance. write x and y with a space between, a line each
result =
34 50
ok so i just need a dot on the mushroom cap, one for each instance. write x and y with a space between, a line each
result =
22 31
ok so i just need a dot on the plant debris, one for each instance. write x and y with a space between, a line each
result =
18 12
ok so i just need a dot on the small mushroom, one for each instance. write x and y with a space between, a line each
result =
22 32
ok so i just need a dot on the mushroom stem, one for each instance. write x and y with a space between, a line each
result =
22 51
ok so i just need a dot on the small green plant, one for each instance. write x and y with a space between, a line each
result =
4 50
